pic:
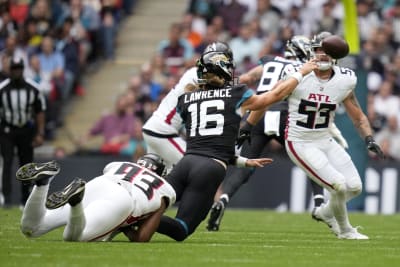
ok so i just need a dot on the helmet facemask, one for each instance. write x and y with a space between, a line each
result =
324 61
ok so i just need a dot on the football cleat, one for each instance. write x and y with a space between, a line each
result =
352 234
72 194
40 173
331 222
216 213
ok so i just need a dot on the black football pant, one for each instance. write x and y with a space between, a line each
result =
195 180
11 139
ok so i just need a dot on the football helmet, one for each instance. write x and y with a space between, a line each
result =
325 61
215 69
219 47
300 47
152 162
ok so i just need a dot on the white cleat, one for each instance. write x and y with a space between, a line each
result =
352 234
331 222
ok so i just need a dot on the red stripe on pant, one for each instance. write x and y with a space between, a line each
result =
176 145
291 148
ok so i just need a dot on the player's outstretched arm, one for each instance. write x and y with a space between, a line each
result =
282 89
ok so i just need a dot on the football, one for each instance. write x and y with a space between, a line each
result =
335 46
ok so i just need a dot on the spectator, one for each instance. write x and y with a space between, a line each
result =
108 32
368 19
7 26
52 63
328 22
87 24
268 15
232 15
389 138
30 36
69 48
176 50
219 27
385 103
149 88
41 12
115 128
246 47
13 50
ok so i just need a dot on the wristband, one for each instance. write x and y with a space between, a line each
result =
298 76
241 161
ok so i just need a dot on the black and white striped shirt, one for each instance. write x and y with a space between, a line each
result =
18 106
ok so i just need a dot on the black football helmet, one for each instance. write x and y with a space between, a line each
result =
219 47
299 46
152 162
215 69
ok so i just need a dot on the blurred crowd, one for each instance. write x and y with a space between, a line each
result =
59 40
254 28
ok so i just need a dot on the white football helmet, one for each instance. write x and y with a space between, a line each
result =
324 61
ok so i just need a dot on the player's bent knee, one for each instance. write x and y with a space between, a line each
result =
355 190
340 187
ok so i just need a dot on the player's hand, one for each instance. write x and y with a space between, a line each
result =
244 134
260 162
373 146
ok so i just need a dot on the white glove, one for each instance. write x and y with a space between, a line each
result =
338 136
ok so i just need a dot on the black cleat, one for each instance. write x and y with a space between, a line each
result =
72 194
216 213
40 173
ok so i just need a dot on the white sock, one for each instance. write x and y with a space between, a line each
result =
338 205
76 223
34 210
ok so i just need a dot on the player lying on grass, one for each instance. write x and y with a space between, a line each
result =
128 197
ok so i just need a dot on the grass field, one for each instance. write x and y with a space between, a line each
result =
246 238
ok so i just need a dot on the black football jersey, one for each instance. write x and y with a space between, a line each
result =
212 118
274 69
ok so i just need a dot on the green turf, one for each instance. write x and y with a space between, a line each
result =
246 238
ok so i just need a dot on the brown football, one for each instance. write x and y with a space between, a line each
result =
335 46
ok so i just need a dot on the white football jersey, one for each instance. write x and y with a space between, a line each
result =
146 187
165 120
313 103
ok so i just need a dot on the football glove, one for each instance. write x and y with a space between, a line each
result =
373 146
244 134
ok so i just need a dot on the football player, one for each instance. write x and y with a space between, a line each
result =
134 195
270 127
161 131
314 92
211 113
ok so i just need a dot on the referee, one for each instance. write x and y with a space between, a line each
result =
22 122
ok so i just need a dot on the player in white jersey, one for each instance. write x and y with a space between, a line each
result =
314 92
161 131
270 127
128 197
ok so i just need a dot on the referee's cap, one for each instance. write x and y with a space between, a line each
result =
17 63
